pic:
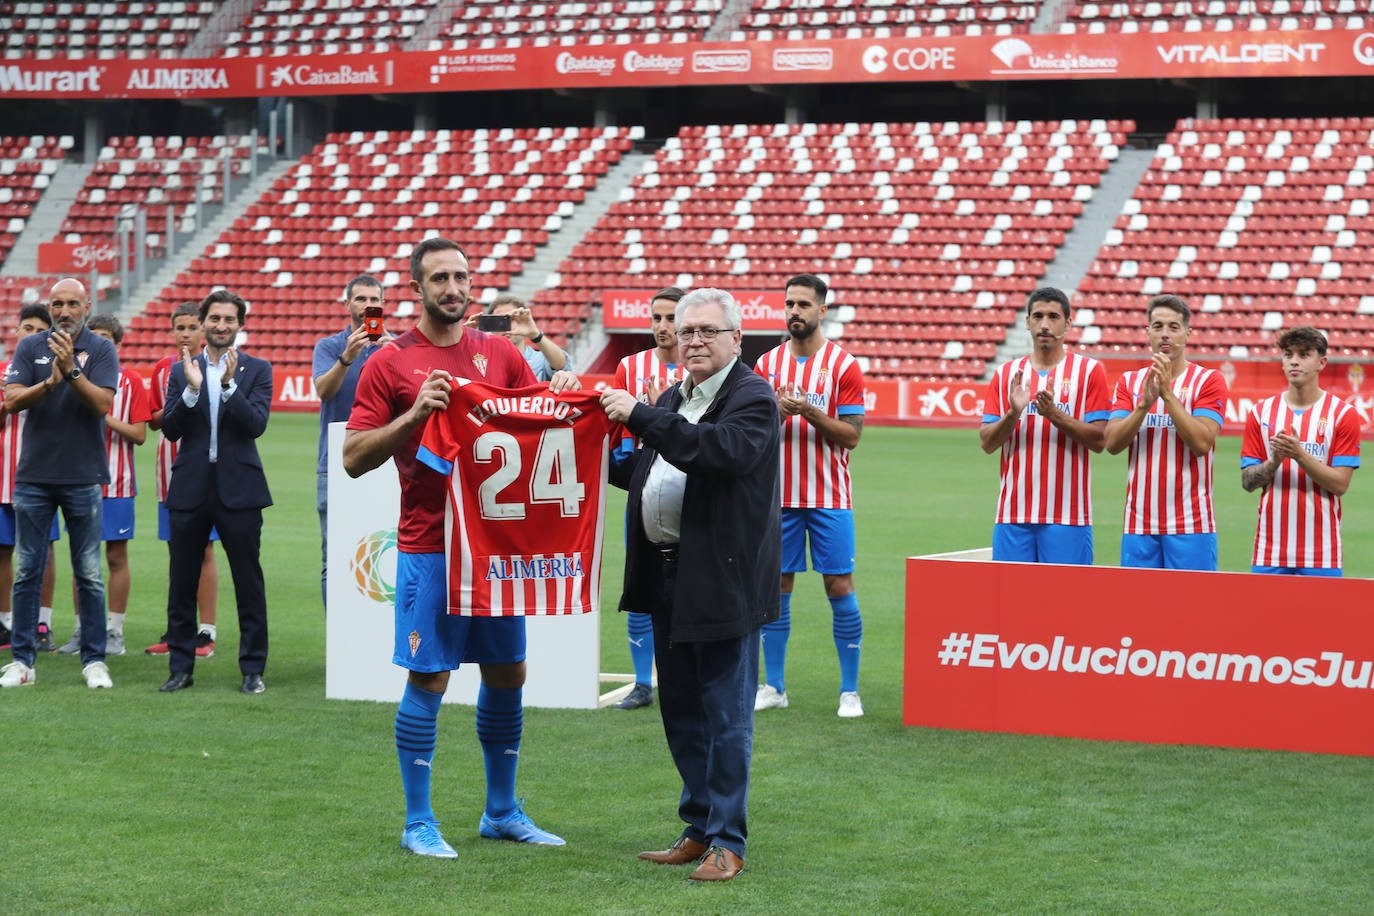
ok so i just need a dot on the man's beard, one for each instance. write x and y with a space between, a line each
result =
433 310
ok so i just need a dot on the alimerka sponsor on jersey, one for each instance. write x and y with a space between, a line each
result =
565 567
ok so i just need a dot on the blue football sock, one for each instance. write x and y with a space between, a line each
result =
848 630
641 629
417 726
774 637
500 722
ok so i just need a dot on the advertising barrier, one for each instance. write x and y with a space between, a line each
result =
973 58
1224 659
628 309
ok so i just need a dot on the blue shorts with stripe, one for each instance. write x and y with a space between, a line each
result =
429 639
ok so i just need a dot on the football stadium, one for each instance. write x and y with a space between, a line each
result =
934 161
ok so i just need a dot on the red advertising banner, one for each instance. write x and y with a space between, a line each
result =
1165 55
69 258
628 309
1225 659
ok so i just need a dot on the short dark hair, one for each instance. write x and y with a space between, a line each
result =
223 297
1303 338
433 243
1169 301
360 280
39 311
503 299
186 308
810 281
107 322
1049 294
671 293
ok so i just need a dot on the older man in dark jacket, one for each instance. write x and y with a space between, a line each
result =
703 557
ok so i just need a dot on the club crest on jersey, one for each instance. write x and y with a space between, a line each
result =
1064 386
480 361
1321 429
414 642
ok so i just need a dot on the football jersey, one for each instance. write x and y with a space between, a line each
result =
1299 522
815 471
166 448
526 474
1168 488
1045 475
636 371
130 405
387 388
11 437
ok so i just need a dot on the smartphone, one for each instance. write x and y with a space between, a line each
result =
494 324
372 321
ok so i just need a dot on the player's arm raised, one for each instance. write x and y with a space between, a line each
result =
366 449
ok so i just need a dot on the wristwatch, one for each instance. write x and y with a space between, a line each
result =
74 374
536 338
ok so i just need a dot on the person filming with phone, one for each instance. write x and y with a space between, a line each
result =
338 361
507 314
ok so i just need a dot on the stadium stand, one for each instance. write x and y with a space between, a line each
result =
278 27
1217 16
359 201
495 24
930 232
27 164
1256 221
768 19
159 28
157 173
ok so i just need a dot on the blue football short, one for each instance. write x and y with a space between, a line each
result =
7 526
831 532
429 639
1068 544
117 518
164 525
1170 551
1328 572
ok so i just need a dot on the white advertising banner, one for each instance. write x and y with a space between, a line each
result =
563 653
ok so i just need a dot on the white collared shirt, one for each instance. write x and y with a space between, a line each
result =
214 373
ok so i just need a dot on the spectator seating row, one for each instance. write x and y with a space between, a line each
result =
768 19
1216 15
948 215
1261 224
157 28
358 203
27 165
499 23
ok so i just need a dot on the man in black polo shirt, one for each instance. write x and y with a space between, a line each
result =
64 380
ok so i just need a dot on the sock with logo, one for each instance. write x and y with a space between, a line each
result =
641 627
45 616
848 629
774 637
209 630
114 623
417 729
500 723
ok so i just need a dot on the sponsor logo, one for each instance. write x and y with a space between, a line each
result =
721 61
1018 56
757 308
922 58
342 75
14 79
950 402
1364 49
85 255
567 62
297 388
1268 52
474 62
652 63
790 59
180 79
373 567
503 568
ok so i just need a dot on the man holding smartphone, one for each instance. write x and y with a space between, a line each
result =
338 361
544 356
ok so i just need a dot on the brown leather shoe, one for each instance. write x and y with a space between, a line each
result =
684 851
720 864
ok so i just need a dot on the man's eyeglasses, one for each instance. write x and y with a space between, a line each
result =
705 335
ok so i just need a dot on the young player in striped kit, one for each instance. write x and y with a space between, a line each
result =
32 320
126 425
645 375
1169 413
820 390
186 333
1301 449
1045 413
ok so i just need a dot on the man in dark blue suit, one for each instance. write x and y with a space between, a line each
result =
217 406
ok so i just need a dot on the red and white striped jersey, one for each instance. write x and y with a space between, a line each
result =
815 471
130 405
636 371
166 449
526 498
1168 488
1299 522
1045 475
11 438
